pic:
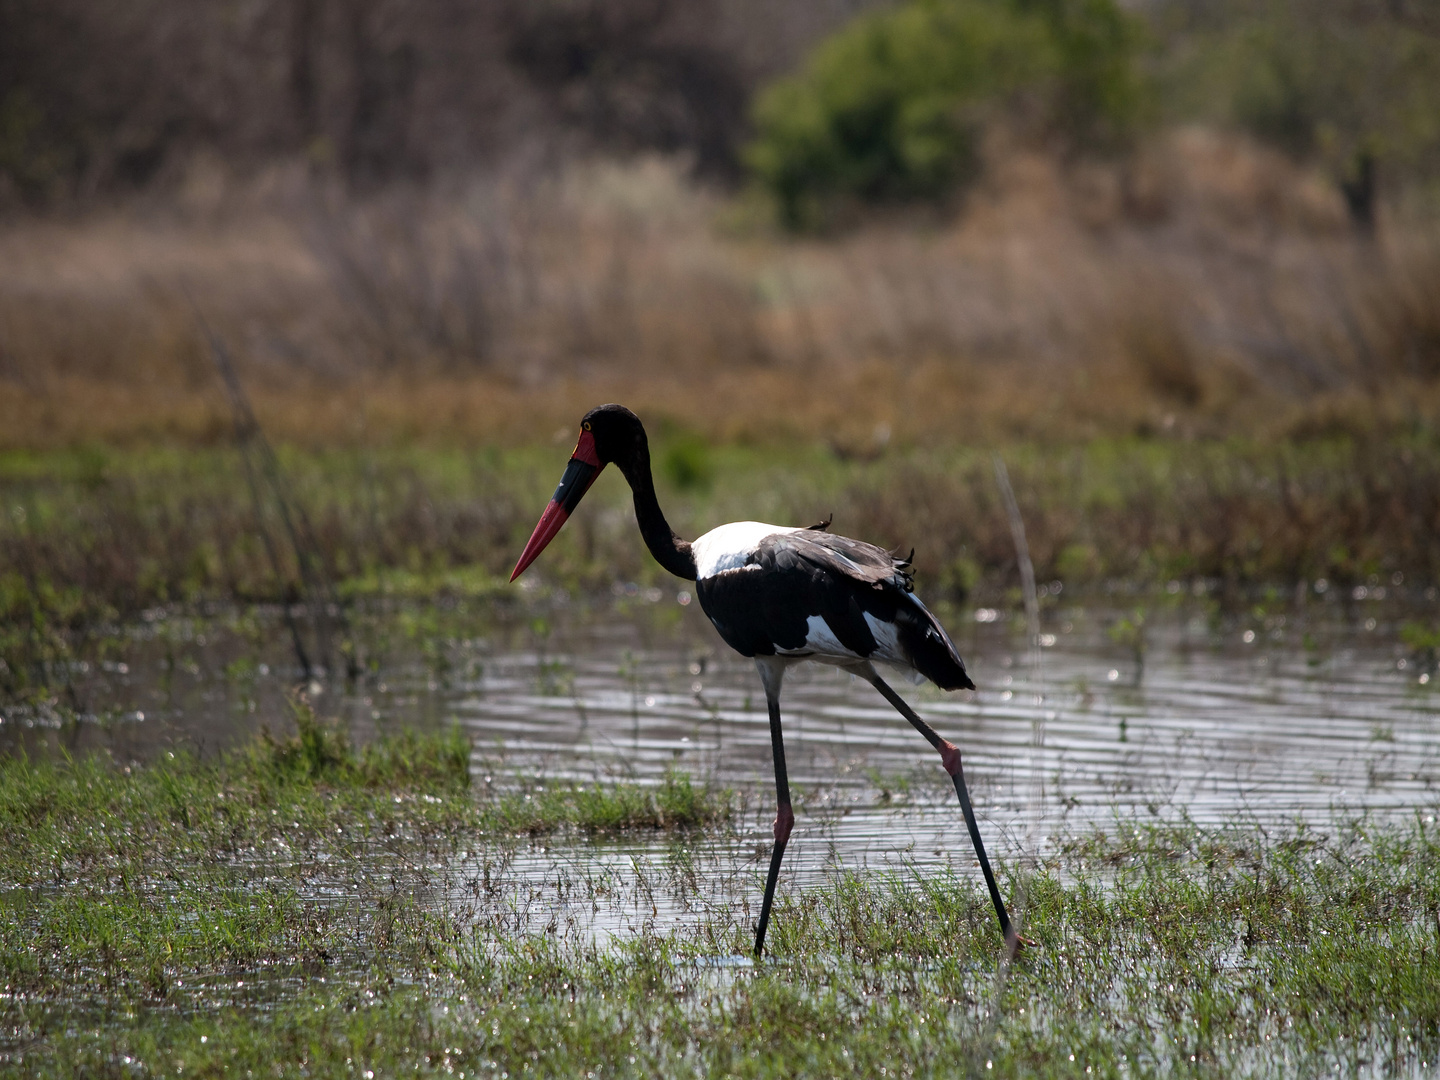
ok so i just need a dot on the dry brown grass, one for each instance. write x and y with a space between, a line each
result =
1204 286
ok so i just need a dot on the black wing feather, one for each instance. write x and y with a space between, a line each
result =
765 605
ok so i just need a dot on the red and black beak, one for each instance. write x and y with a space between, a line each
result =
584 466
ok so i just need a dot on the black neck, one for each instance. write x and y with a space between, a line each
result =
669 550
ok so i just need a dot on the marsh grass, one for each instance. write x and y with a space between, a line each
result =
1163 950
321 752
141 876
677 803
90 543
146 528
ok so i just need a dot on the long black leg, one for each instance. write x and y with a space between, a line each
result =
950 755
772 672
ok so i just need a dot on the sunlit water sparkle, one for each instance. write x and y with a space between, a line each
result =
1265 720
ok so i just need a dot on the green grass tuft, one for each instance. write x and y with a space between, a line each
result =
321 751
179 919
677 803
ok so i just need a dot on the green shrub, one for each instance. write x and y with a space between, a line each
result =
892 106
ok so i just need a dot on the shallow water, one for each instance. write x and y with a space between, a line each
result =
1311 714
1208 723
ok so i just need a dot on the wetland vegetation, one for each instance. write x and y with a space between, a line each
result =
91 539
293 783
296 908
303 905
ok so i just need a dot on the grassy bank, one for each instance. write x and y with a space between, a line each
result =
298 908
140 878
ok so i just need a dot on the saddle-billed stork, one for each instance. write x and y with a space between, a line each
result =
782 595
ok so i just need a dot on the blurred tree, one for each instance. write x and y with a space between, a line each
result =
1422 15
1098 94
99 96
1352 84
106 94
636 74
384 69
304 77
892 106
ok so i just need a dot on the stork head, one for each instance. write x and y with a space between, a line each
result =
607 433
618 434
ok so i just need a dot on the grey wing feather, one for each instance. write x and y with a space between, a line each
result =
852 559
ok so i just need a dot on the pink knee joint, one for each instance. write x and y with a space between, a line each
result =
950 755
784 822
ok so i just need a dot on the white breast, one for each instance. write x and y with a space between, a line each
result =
730 545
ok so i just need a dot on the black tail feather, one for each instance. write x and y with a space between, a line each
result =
931 651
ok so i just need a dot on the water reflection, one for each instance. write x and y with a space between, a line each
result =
1267 718
1205 722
